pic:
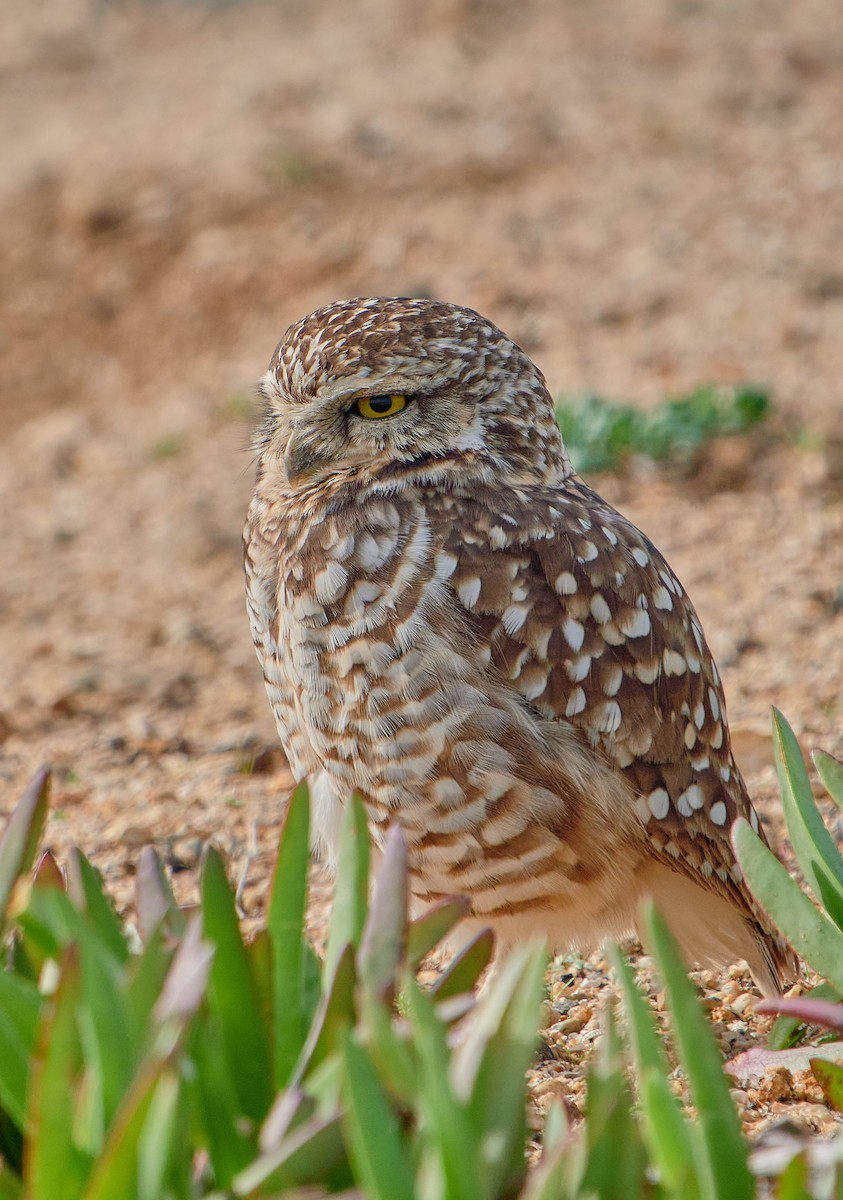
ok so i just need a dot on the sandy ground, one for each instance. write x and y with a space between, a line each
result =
646 196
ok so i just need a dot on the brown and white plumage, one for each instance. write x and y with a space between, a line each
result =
453 624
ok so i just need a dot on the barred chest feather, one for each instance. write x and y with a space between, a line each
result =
351 619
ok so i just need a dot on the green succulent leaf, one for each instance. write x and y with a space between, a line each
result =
20 1011
376 1144
818 856
464 970
11 1185
428 930
234 995
348 915
614 1161
294 965
48 873
149 1105
721 1151
154 897
813 936
333 1018
56 1167
830 771
84 887
453 1143
312 1153
102 1020
792 1184
829 1075
384 935
786 1029
231 1142
19 842
489 1067
665 1129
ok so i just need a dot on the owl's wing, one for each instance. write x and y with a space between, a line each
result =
589 623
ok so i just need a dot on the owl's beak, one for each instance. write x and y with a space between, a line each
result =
301 461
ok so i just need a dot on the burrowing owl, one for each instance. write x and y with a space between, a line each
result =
453 624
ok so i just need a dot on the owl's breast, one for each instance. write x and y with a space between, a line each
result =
355 628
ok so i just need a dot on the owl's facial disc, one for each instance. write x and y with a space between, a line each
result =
378 430
372 386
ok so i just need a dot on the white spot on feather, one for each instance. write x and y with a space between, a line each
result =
362 593
609 717
574 633
695 796
717 813
532 683
589 552
469 591
659 803
600 609
612 685
514 617
565 584
637 625
647 672
611 635
578 669
539 643
576 702
674 663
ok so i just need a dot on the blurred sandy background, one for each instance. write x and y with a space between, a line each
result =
647 196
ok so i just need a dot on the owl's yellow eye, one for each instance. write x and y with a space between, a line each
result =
375 407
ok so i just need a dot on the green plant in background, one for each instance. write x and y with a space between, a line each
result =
600 434
170 445
175 1060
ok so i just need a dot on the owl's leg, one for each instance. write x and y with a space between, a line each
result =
326 809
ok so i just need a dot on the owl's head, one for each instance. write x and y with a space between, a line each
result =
414 388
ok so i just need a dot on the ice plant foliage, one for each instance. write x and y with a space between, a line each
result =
174 1060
